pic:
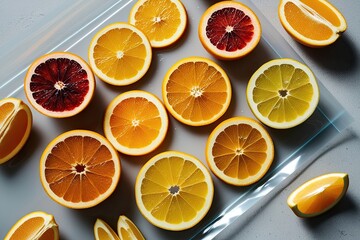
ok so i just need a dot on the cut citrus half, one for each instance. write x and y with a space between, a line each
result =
283 93
59 84
103 231
79 169
314 23
239 151
174 190
136 122
15 127
120 54
229 30
162 21
34 225
127 230
318 195
196 91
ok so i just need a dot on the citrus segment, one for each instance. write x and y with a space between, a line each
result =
120 54
34 225
103 231
196 91
229 30
127 230
163 22
59 84
239 151
79 169
174 190
319 194
15 127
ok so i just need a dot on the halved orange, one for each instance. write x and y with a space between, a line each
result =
174 190
35 225
136 122
79 169
196 91
127 230
239 151
102 231
314 23
15 127
319 194
162 21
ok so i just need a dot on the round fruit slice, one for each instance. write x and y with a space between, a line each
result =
314 23
229 30
35 225
127 230
59 84
174 190
15 127
120 54
283 93
239 151
136 122
103 231
318 195
162 21
196 91
79 169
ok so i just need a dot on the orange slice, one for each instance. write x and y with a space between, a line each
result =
174 190
318 195
162 21
229 30
103 231
34 225
127 230
120 54
239 151
79 169
136 122
314 23
15 127
196 91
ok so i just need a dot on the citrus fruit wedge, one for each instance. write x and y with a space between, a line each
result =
136 122
229 30
314 23
162 21
34 225
59 84
15 127
120 54
239 151
127 230
318 195
283 93
196 91
103 231
79 169
174 190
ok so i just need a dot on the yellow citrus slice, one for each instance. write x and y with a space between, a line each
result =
162 21
79 169
136 122
34 225
239 151
229 30
283 93
314 23
127 230
196 91
59 84
318 195
103 231
120 54
174 190
15 127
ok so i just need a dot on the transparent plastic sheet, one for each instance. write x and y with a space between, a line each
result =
293 153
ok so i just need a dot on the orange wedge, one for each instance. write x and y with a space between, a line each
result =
103 231
127 230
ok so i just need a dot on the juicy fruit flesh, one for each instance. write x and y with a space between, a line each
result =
229 29
323 11
28 229
59 84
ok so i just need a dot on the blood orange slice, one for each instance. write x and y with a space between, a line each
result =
59 84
